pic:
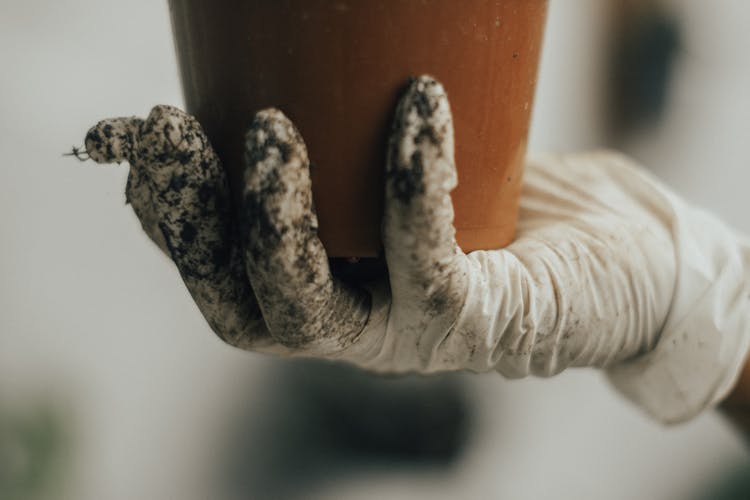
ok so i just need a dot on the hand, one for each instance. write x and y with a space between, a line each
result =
596 277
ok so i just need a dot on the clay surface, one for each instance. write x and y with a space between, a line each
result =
337 67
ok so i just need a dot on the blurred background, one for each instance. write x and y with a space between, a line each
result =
112 386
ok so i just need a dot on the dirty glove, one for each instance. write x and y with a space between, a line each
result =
609 268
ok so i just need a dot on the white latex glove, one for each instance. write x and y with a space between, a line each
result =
609 268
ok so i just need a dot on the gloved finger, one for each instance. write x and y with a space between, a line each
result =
177 184
303 305
113 141
423 257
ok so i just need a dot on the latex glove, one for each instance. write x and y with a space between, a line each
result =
609 269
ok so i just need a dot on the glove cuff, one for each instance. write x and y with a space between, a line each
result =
705 339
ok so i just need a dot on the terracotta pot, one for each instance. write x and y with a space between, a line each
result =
336 68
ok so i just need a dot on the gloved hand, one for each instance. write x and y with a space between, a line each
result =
609 269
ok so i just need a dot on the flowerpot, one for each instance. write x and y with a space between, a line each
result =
337 68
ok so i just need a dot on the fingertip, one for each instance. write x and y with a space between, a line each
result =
271 122
165 110
421 147
271 114
170 121
274 147
113 140
278 189
170 135
426 97
271 133
429 91
94 144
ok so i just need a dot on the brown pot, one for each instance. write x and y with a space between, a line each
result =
336 68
